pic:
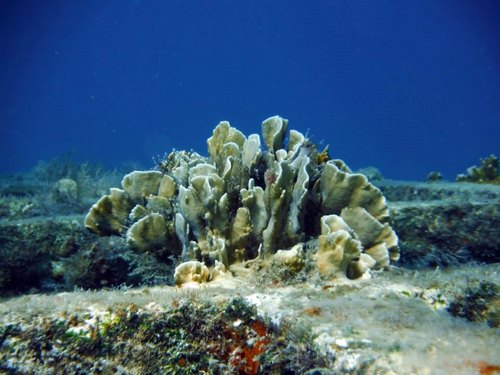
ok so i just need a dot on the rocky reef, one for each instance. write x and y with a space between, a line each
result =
242 205
444 224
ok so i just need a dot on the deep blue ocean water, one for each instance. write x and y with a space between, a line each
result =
407 86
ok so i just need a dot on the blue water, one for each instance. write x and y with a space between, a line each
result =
406 86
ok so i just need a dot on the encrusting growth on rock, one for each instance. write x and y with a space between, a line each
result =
243 203
486 173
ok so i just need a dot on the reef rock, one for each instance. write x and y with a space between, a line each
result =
243 203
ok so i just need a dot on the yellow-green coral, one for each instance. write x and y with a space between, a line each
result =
243 203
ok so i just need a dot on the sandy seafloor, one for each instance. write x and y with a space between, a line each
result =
395 322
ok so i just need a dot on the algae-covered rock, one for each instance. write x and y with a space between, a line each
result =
65 190
57 253
478 303
186 334
486 173
444 224
434 176
241 204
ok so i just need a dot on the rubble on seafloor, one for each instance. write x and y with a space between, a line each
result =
277 272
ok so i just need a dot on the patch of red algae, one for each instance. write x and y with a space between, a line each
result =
242 346
486 368
245 353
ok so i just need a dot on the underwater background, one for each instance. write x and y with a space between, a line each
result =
123 252
408 87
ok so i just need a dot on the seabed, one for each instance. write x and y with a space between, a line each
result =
64 310
391 323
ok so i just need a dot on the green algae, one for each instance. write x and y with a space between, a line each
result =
476 304
188 336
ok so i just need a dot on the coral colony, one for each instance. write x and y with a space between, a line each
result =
243 204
